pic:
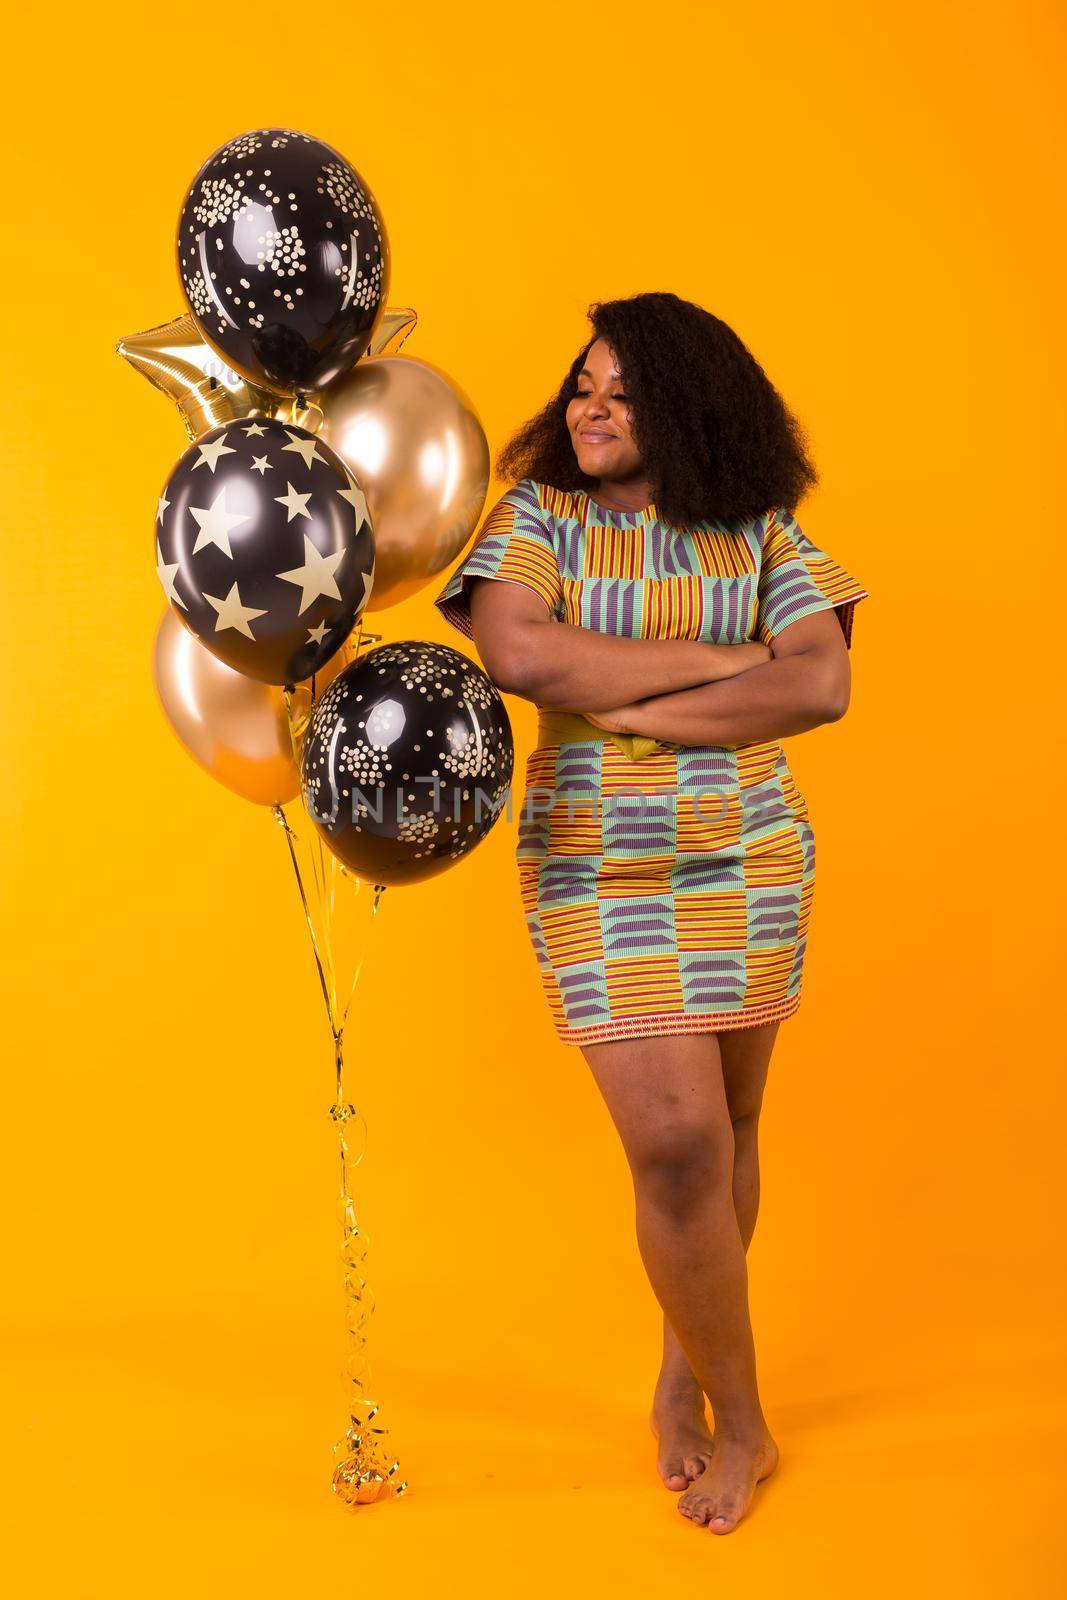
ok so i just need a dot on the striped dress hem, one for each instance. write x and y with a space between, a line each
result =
646 1027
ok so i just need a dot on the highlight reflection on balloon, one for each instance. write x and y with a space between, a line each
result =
414 442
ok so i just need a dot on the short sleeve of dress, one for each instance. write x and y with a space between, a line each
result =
797 579
514 545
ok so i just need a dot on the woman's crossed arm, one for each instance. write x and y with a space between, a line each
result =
567 668
806 683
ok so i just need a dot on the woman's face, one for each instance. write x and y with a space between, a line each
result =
599 419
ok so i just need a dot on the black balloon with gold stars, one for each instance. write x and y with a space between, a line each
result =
284 259
407 762
264 548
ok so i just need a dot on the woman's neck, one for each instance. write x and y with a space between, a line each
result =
630 494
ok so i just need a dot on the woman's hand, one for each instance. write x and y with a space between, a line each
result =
808 686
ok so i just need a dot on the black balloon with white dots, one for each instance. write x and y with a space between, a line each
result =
264 548
407 762
284 259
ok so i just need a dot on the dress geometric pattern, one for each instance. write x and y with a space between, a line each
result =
670 894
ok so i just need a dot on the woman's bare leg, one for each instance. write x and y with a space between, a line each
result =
678 1405
668 1100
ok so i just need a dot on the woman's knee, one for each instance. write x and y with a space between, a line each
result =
745 1124
746 1055
674 1166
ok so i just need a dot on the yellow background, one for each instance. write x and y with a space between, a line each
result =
869 196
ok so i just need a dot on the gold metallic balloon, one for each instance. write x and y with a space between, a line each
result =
395 324
235 727
415 445
206 391
175 359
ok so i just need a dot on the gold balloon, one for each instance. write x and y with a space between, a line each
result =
235 727
415 445
175 359
393 328
206 391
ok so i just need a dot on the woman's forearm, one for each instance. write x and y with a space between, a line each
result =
784 696
569 668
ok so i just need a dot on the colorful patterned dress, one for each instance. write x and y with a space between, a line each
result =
668 894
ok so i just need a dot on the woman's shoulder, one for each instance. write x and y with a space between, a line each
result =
526 495
527 489
548 504
518 512
540 494
532 489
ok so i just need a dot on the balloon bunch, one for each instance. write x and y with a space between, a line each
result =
326 475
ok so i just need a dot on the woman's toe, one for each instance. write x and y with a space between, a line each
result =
727 1514
690 1506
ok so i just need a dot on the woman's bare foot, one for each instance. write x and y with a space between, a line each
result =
721 1495
685 1443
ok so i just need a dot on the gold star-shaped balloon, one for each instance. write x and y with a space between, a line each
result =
208 392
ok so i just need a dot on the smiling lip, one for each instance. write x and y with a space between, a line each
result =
596 433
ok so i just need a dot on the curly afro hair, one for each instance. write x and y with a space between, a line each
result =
715 437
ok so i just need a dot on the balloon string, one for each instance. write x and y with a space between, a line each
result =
283 821
360 1474
340 1015
323 869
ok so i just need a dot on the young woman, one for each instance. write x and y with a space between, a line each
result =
657 600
